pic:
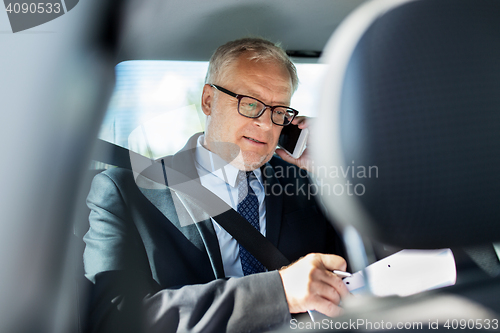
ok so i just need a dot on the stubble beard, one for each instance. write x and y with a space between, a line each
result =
249 163
232 154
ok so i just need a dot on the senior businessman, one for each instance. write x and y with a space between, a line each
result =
157 267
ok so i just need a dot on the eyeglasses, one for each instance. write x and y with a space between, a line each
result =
253 108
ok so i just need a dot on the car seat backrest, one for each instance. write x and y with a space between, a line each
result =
411 111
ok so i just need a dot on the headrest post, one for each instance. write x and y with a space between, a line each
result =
356 251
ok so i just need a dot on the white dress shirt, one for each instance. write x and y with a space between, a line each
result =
220 178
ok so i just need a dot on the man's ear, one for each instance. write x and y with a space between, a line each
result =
207 99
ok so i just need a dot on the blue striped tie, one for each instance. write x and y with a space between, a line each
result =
248 207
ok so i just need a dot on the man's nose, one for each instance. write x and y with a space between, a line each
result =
264 121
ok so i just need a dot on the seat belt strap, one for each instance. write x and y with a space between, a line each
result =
228 218
235 224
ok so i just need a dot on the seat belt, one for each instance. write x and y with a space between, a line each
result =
485 256
244 233
235 224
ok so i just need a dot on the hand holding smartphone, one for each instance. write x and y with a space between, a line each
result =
293 140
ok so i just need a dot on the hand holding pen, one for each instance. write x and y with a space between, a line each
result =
311 284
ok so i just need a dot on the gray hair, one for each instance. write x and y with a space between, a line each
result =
260 50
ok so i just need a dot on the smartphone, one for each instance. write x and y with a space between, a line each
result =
293 140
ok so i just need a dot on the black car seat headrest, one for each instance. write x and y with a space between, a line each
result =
410 115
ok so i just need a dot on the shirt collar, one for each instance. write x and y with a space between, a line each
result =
214 164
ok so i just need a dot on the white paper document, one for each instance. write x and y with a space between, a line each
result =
407 272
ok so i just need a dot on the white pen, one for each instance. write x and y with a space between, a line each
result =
342 274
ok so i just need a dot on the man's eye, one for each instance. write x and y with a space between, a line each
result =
250 106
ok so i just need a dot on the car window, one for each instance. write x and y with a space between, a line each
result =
155 106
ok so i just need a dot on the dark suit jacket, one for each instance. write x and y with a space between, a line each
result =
154 267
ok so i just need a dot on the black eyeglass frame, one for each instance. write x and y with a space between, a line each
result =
239 97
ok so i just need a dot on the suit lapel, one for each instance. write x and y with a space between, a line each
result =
167 202
209 237
274 204
183 162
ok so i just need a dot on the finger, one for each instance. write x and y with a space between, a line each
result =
327 291
338 284
327 308
341 288
285 156
301 121
335 288
333 262
305 153
302 162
